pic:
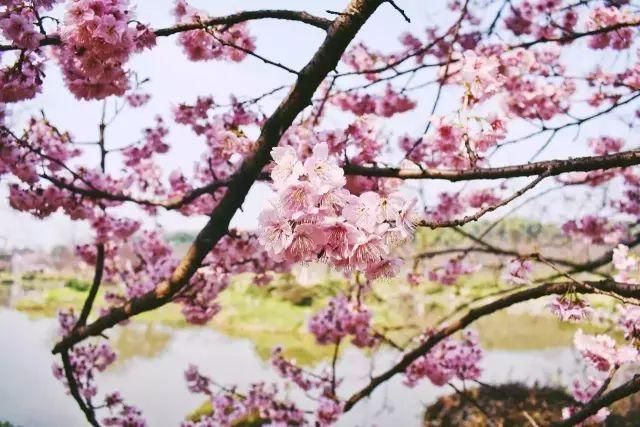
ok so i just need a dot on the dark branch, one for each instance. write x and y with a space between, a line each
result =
95 285
75 393
552 167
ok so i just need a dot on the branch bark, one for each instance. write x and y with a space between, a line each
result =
551 167
75 392
326 58
95 285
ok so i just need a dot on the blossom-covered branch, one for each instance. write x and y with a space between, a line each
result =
236 18
474 314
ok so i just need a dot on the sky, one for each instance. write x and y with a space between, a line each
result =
174 79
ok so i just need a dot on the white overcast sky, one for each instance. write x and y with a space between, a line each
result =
174 79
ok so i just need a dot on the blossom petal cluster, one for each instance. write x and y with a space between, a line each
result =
449 359
315 217
219 42
98 40
341 319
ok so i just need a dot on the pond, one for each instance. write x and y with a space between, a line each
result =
153 357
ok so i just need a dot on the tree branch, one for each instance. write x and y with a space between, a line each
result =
476 216
552 167
95 285
75 393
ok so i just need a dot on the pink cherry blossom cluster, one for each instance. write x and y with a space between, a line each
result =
602 352
227 142
450 271
606 145
629 321
42 202
289 370
199 299
541 18
363 141
154 142
134 264
17 22
23 79
86 361
97 42
518 271
221 42
478 74
571 308
518 76
341 319
449 206
315 217
121 414
138 99
153 263
584 393
621 38
388 104
449 359
230 407
446 145
361 59
630 201
111 229
328 411
594 229
626 263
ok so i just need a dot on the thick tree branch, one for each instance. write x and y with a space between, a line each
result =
485 310
339 35
552 167
95 285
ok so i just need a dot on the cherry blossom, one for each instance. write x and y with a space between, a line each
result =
102 33
213 43
571 309
449 359
341 319
518 271
602 352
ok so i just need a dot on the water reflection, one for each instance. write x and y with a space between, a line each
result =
140 340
